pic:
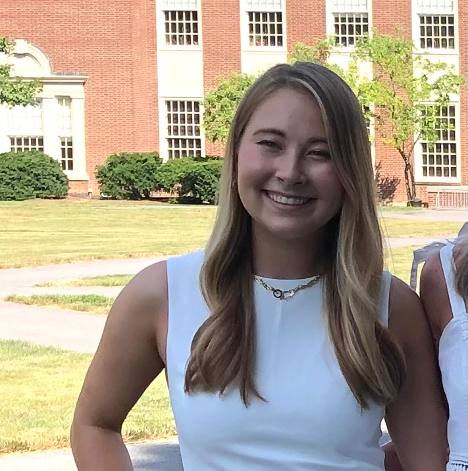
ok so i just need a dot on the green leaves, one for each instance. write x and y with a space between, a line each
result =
221 104
26 175
13 90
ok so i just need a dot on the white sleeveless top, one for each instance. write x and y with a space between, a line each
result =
311 420
453 352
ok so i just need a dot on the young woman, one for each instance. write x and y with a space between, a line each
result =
444 292
284 342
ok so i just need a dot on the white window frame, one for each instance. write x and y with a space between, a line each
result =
164 132
256 7
65 133
347 7
418 155
430 7
177 5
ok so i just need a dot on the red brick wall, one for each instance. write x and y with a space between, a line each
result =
221 46
113 43
306 21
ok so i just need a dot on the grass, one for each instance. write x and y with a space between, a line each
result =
41 232
39 387
107 280
91 303
399 261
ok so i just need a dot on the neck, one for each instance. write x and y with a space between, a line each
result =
288 259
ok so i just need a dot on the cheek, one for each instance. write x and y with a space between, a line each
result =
329 182
249 162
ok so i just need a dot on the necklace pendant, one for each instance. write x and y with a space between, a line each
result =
278 294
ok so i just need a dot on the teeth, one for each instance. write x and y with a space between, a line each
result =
287 200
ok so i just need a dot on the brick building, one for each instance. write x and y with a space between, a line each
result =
129 75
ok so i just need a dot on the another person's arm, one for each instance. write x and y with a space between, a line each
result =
126 362
416 420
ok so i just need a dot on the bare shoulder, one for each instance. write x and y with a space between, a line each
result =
434 295
149 285
406 313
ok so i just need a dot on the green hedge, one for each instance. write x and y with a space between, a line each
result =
136 176
200 182
128 175
26 175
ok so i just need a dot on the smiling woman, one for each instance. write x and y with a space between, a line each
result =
285 343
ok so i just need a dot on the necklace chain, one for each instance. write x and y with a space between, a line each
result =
284 295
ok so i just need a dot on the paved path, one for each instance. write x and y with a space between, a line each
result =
428 215
157 456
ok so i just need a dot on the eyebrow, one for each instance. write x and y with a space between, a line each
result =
279 133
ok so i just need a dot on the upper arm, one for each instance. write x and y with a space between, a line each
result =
416 419
434 296
127 359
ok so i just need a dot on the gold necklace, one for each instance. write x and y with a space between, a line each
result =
284 295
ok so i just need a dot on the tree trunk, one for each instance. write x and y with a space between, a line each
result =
410 184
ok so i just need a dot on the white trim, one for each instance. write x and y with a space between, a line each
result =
244 29
330 13
54 85
163 146
416 31
23 48
161 29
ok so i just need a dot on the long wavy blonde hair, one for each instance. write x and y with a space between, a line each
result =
223 349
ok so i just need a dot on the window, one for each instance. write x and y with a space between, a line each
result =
436 24
181 22
65 132
350 21
439 161
437 31
24 144
183 119
25 128
265 23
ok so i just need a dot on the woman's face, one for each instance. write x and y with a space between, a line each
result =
286 179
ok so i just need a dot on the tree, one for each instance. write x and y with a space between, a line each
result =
403 98
407 92
14 91
221 103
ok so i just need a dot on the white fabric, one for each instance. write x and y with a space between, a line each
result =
310 421
426 252
453 352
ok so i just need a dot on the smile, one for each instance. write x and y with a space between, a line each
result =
287 200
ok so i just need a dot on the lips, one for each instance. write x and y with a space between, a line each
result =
289 200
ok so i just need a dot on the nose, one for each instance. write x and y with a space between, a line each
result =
289 169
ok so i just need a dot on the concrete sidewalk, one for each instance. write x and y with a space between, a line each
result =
162 455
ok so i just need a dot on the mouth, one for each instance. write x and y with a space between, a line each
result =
287 200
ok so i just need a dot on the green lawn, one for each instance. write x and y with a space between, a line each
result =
40 232
92 303
39 387
107 281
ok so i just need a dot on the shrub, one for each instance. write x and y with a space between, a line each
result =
26 175
171 173
129 175
200 182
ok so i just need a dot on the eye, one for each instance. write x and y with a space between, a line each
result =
318 154
271 145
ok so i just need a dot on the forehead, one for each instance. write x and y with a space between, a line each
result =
292 111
